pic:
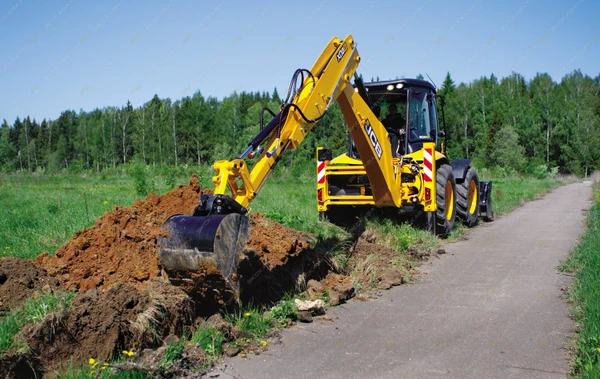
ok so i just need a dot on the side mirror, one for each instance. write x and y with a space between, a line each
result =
441 134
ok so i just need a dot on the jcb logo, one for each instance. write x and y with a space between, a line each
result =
340 54
373 139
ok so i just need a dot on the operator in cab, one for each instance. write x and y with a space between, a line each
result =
395 124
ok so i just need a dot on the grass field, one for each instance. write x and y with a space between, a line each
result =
41 212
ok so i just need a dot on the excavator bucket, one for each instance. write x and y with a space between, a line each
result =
203 244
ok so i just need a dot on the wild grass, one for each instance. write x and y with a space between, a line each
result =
34 310
285 310
209 339
511 192
97 371
174 352
42 212
251 319
584 295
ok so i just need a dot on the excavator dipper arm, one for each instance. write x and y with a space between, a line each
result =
218 230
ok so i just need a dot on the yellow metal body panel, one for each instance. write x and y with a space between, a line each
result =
409 193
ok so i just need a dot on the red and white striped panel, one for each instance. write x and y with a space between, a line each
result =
321 172
427 164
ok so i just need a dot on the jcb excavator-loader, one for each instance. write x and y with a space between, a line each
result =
370 175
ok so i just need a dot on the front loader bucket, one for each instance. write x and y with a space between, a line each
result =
202 244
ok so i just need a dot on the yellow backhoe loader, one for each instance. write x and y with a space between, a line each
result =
378 171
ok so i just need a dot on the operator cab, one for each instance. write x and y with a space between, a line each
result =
416 99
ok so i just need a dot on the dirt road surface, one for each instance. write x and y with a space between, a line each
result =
489 308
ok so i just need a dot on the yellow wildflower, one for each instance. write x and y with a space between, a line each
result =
93 363
598 348
247 314
105 202
264 343
129 353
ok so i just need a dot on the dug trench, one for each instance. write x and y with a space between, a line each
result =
126 301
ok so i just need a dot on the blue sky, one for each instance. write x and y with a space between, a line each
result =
83 54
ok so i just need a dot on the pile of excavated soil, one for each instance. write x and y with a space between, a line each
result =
275 244
121 246
100 326
19 279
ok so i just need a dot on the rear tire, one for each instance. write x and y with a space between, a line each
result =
467 198
446 203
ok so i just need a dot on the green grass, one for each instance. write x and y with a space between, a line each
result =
34 310
42 212
174 352
252 320
584 295
285 310
209 339
92 372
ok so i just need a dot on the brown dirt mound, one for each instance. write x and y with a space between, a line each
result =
19 279
100 326
121 246
275 244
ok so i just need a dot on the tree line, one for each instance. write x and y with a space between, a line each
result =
512 123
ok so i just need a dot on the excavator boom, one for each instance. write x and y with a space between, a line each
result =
218 230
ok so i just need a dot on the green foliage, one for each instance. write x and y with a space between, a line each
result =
77 372
289 220
209 339
401 237
284 310
34 310
174 351
250 319
556 125
584 295
506 151
141 182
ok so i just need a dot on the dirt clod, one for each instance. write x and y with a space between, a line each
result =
390 277
218 322
314 289
232 351
19 279
305 316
